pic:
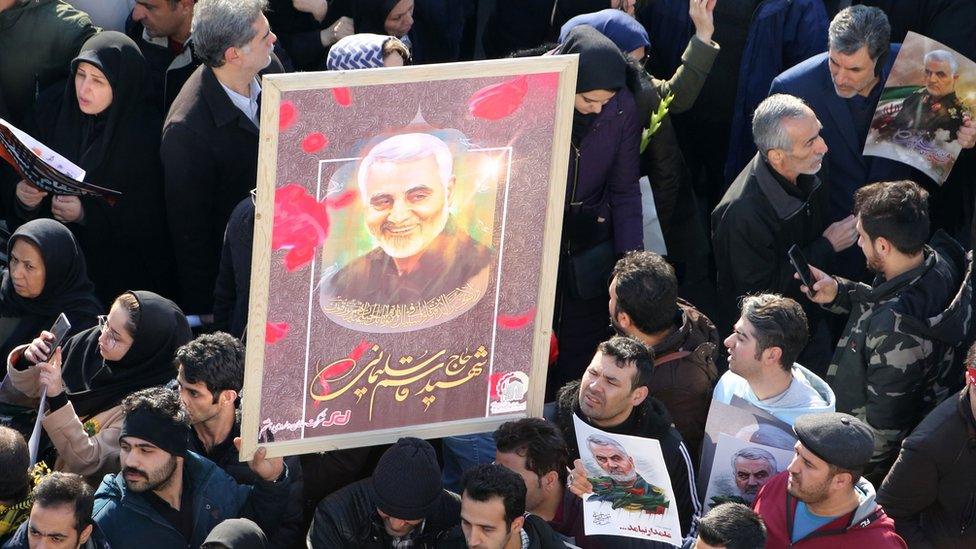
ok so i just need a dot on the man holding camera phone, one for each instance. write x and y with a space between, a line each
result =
897 357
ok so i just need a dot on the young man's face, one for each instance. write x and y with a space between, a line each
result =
741 345
484 526
809 476
606 394
406 205
199 401
534 495
852 74
869 248
145 466
54 528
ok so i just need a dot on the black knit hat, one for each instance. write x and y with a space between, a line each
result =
839 439
407 480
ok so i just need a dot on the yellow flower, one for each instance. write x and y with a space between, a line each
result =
92 427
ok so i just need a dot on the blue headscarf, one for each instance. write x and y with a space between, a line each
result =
623 30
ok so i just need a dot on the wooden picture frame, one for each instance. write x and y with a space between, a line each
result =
431 363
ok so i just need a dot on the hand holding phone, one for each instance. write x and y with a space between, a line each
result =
802 268
43 346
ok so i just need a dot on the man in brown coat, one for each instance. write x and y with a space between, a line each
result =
644 305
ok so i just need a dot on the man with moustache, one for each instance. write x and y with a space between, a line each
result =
406 183
167 496
777 201
821 500
613 397
896 359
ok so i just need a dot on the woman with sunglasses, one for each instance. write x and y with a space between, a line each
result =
131 349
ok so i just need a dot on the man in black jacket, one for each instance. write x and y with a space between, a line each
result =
493 513
402 504
211 376
613 397
778 201
931 490
161 29
210 140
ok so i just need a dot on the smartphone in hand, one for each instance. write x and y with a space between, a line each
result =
59 329
802 268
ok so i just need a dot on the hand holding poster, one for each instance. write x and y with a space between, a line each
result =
632 494
46 169
927 99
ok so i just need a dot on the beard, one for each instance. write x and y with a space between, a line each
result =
808 495
624 478
415 241
153 480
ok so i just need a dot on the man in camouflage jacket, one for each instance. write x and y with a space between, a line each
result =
901 350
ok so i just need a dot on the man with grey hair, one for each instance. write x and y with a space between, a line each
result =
777 201
932 107
622 485
752 467
210 140
842 86
406 184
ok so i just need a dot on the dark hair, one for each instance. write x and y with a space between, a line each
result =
130 304
216 359
538 441
647 291
858 26
490 480
159 401
67 489
733 526
896 210
14 462
834 470
778 322
625 350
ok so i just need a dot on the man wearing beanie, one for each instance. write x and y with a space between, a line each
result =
167 496
403 505
821 500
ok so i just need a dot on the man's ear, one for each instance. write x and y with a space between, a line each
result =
231 55
86 533
550 479
518 523
773 355
775 157
624 319
228 396
638 395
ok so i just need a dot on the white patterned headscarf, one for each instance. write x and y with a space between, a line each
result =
359 51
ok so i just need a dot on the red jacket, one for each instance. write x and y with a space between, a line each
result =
868 527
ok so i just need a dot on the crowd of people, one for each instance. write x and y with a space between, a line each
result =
867 354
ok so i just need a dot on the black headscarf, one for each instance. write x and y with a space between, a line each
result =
88 138
67 288
238 533
127 244
94 384
601 67
370 15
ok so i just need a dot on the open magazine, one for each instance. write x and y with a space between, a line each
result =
45 169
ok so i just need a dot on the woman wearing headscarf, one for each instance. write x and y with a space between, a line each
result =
367 51
662 160
386 17
100 121
86 379
564 10
46 277
603 205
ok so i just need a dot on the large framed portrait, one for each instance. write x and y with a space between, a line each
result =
405 251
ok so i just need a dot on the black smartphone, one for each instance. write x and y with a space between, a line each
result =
802 268
59 329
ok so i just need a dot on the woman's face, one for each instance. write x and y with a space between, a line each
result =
400 19
592 102
115 339
27 269
92 88
393 60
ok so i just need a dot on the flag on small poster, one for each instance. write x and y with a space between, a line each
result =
632 494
